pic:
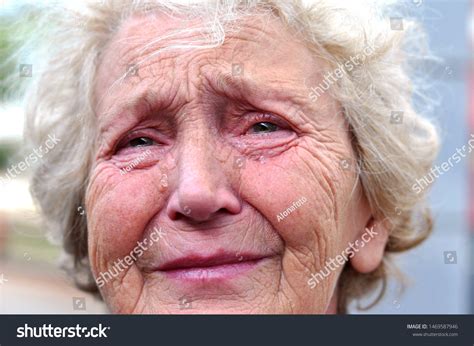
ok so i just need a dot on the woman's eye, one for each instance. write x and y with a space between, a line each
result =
264 127
141 142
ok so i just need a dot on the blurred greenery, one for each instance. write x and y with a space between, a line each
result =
7 150
27 241
7 46
38 249
15 27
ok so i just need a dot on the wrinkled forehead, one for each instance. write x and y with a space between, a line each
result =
142 34
258 43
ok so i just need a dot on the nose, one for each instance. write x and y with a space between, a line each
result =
202 191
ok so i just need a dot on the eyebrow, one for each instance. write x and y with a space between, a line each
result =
140 104
239 89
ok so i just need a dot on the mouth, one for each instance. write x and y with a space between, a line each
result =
218 267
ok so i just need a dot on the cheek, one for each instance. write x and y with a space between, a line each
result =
299 193
119 209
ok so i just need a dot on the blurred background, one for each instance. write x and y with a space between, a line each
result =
439 273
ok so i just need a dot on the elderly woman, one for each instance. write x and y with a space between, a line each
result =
229 156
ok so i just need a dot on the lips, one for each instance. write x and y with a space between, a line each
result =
220 266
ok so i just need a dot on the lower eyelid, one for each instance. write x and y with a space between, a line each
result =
130 151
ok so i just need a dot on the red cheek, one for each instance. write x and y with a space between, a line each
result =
121 210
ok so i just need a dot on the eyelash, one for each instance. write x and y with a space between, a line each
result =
125 142
257 118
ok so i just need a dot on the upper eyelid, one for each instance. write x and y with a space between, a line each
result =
268 117
125 141
139 137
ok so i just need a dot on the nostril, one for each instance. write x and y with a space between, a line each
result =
197 204
179 216
187 214
221 211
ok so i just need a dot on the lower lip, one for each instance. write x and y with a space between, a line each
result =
218 272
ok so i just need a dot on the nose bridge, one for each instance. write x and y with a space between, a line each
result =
200 190
196 162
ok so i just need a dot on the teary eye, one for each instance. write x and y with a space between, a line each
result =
141 142
263 127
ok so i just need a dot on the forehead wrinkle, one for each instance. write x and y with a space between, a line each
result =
164 38
141 52
252 89
132 51
255 30
245 33
131 54
117 86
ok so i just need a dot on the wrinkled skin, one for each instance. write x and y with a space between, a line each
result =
227 154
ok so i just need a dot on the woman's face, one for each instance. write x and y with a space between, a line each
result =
218 185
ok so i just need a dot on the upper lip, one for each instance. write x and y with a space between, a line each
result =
199 261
